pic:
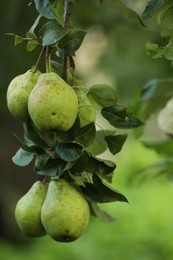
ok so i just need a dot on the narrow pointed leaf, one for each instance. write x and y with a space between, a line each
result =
101 214
86 135
115 142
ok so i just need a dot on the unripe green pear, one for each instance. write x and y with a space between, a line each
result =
18 93
65 213
87 113
28 210
52 104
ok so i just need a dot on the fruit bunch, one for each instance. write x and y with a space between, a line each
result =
55 208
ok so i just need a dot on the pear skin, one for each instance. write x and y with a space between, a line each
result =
28 210
53 104
18 93
65 213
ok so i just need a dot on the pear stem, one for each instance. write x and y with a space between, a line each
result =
47 59
38 60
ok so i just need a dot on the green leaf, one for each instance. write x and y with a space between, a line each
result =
127 12
103 95
99 144
58 9
120 119
41 161
72 41
100 192
68 151
166 23
52 32
86 135
22 157
51 167
32 134
98 212
26 147
163 147
151 8
101 167
80 164
31 45
17 39
30 33
115 142
44 9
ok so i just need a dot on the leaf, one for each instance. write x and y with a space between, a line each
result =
33 135
86 134
127 12
51 167
104 168
72 41
26 147
44 9
99 144
166 23
98 212
151 8
99 192
103 95
80 164
58 9
68 151
52 32
120 119
41 161
115 142
30 33
17 39
22 157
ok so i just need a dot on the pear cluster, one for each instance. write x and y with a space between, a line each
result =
55 208
49 101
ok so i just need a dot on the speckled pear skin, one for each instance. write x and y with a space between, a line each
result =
28 210
87 113
53 104
65 213
18 93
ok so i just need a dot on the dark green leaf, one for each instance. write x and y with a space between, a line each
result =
99 192
119 119
98 212
99 145
115 142
44 9
151 8
72 41
68 151
103 95
80 164
127 12
51 167
32 134
58 9
41 161
52 32
104 168
86 134
22 157
26 147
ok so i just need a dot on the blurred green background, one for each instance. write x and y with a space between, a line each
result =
113 52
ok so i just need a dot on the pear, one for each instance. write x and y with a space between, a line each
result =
65 213
18 93
53 104
28 210
87 113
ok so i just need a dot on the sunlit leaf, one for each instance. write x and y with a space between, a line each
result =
103 95
52 32
44 9
22 157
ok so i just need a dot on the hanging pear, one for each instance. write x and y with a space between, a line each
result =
28 210
52 104
18 93
65 213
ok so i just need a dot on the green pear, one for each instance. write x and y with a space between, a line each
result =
65 213
18 93
28 210
87 113
53 104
